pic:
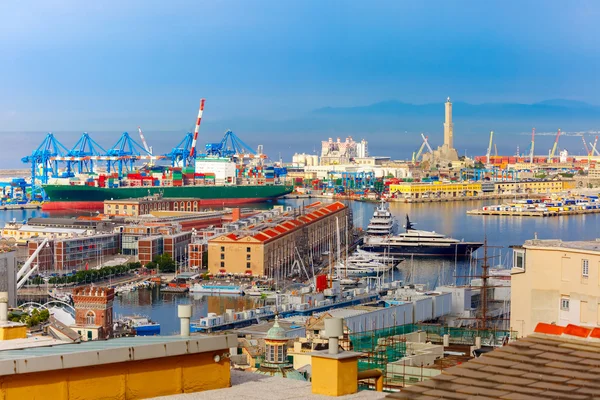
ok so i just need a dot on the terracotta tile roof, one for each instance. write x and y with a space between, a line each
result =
553 363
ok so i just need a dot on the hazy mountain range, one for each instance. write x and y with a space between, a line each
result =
392 128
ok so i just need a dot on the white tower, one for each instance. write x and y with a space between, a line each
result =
448 127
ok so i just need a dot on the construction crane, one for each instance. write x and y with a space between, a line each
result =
587 149
495 150
553 151
425 139
594 149
532 145
418 153
148 149
489 150
200 112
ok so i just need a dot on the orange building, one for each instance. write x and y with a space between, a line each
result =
93 312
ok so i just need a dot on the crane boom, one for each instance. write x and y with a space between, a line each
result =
594 148
200 112
144 140
532 145
553 152
587 149
416 157
489 150
426 143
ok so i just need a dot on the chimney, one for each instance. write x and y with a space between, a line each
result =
236 214
334 328
184 312
3 307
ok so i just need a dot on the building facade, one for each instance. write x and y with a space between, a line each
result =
271 248
8 275
419 190
93 312
555 282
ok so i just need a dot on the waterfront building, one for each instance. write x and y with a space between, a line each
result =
555 282
22 233
275 361
93 312
67 254
419 190
270 247
138 206
534 186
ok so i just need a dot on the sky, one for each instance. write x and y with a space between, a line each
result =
70 65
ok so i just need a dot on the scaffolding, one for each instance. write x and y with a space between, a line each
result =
386 349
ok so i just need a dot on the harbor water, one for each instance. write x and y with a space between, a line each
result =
448 218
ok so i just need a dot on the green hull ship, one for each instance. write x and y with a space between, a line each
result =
68 197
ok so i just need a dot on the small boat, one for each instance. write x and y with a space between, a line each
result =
143 326
216 289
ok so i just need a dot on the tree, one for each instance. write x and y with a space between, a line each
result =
165 263
478 165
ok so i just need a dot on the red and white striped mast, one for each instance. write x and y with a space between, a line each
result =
200 111
144 140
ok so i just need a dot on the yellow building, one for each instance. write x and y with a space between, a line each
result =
271 247
435 189
534 186
555 282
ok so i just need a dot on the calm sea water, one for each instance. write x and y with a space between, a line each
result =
447 218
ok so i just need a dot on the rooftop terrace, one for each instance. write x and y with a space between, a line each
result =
584 245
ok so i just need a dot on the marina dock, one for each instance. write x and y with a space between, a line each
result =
532 213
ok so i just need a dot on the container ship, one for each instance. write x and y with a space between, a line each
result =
214 181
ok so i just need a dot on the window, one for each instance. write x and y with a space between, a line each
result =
222 256
90 318
279 353
222 264
222 248
564 303
585 268
519 259
248 265
248 249
248 257
89 335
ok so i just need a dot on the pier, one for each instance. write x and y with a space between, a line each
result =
532 213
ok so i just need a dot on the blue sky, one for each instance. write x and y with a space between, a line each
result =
114 65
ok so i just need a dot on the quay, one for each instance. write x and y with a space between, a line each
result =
532 213
443 199
27 206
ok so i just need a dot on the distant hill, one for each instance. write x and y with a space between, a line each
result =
555 109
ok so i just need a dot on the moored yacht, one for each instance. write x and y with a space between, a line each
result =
414 242
382 222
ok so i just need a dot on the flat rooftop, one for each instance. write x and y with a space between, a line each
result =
21 360
252 386
584 245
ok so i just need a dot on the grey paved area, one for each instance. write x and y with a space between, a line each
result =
248 385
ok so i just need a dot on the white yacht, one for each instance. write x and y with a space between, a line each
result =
414 242
361 268
382 222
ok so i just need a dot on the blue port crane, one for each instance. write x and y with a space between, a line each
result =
44 162
81 157
180 154
123 155
230 146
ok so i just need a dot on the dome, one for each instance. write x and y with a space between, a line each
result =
276 332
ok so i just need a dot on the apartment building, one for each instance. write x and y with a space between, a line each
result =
555 282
